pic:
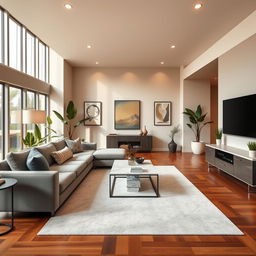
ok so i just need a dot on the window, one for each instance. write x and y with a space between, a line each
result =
1 123
42 105
42 62
30 104
1 36
30 54
14 44
15 106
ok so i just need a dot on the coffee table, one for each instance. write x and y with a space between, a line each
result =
121 169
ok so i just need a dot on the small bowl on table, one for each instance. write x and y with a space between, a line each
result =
139 160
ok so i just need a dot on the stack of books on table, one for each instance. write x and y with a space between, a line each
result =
133 183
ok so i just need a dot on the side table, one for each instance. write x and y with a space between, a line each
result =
9 184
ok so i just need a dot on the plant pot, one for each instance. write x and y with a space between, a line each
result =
172 146
252 153
218 142
197 147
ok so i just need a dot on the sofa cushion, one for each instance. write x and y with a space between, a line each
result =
74 145
36 161
65 179
83 156
62 155
17 160
59 144
46 151
4 166
109 153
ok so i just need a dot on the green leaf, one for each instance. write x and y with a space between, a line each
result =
71 110
59 116
49 120
198 112
37 132
201 118
190 126
80 122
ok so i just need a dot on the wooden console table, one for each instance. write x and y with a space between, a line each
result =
233 161
141 143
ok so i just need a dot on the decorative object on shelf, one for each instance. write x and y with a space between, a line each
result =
196 124
70 114
218 134
172 145
162 113
141 133
131 152
145 131
93 113
127 114
139 160
252 149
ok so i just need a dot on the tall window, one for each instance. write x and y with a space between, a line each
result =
1 36
1 122
30 104
14 44
42 61
15 106
30 54
42 105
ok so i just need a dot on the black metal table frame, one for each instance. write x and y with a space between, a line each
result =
141 176
10 225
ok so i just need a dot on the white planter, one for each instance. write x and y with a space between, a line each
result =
218 142
197 147
252 153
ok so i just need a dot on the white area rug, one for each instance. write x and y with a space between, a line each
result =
181 210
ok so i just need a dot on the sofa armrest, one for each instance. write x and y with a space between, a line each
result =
36 191
89 146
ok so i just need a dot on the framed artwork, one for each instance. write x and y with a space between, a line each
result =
162 113
93 113
127 114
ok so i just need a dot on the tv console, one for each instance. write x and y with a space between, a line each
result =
233 161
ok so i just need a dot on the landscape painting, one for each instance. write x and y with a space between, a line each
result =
127 114
162 115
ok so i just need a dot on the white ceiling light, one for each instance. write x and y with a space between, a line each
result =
89 46
197 6
173 46
162 63
97 63
68 6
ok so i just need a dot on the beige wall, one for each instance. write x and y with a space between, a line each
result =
237 77
68 77
195 92
109 84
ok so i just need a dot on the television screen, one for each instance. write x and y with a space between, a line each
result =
239 116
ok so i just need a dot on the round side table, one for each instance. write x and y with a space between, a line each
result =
9 184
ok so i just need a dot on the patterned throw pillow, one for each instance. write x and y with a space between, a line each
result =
74 145
62 155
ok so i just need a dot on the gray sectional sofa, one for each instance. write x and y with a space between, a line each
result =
45 191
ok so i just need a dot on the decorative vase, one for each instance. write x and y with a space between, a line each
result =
197 147
252 153
141 133
218 142
172 146
145 131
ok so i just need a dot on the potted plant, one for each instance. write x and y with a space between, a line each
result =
197 123
172 145
218 135
252 149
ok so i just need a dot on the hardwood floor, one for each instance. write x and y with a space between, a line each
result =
228 194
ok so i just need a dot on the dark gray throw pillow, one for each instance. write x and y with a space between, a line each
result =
74 145
36 161
46 151
17 160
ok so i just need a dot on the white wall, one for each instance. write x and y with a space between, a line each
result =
109 84
196 92
237 77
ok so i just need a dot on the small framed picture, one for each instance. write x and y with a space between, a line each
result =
93 113
162 113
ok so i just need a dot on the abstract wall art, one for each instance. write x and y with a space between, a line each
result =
93 113
162 113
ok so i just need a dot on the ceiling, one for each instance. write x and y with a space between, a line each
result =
129 33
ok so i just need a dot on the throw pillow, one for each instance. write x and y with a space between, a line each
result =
17 160
74 145
46 151
62 155
36 161
59 144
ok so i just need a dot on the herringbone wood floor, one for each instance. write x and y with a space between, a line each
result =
225 192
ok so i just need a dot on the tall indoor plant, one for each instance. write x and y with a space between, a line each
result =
70 115
197 123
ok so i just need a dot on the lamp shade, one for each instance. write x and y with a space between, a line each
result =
32 116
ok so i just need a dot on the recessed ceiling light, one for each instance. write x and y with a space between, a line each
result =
173 46
68 6
97 63
89 46
162 63
197 6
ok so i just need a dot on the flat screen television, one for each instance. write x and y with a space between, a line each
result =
239 116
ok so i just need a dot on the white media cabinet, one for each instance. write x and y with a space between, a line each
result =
233 161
